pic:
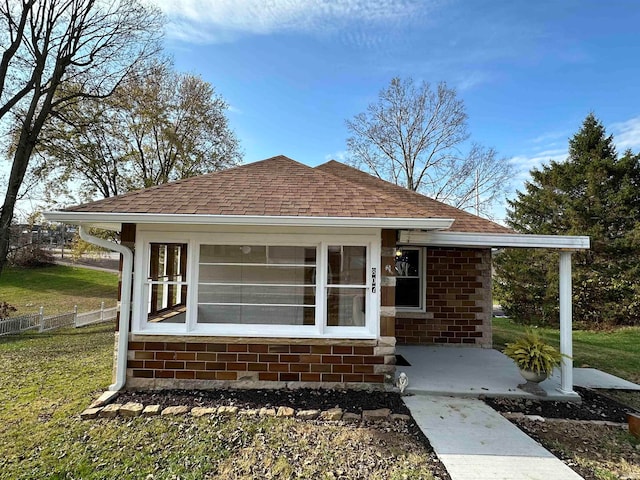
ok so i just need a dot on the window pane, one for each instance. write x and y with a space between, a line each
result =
233 254
257 315
346 307
256 294
408 292
270 284
347 265
408 263
292 255
271 274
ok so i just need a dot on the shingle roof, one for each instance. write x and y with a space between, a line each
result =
280 186
464 221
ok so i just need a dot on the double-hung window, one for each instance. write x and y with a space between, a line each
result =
410 285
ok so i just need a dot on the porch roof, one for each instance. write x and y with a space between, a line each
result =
493 240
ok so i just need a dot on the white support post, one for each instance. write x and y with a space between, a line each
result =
41 313
566 329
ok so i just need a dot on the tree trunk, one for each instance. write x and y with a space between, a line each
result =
18 170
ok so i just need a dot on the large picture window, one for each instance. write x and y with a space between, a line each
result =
302 285
257 284
410 290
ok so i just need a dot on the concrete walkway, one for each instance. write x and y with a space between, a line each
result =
475 442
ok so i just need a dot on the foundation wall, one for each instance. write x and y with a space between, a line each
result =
214 362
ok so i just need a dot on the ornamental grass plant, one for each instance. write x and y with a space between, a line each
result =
533 354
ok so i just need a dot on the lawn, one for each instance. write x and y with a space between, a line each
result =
616 351
48 379
57 288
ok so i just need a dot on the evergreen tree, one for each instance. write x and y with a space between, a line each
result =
595 193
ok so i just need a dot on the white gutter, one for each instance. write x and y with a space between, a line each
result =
115 219
495 240
125 303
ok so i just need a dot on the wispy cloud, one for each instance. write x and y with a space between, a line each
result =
219 21
627 134
524 163
340 156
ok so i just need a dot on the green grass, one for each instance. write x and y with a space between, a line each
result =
48 379
57 288
616 352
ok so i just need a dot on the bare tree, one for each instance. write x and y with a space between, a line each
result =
50 44
413 135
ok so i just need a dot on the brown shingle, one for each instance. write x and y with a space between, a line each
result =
280 186
464 221
277 186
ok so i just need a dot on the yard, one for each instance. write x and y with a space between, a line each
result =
57 288
48 379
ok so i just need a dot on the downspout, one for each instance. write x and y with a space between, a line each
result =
125 303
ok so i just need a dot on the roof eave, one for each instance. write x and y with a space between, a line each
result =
115 220
494 240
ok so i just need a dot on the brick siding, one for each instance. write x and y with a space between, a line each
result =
205 362
458 300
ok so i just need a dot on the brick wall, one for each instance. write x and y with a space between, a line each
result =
458 300
209 363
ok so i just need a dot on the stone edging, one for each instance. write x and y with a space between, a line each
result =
134 409
103 408
538 418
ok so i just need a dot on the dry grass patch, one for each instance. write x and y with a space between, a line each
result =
595 451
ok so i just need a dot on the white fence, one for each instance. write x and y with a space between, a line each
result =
42 323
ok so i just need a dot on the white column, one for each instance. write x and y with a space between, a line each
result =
566 330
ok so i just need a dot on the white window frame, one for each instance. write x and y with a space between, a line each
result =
422 271
193 240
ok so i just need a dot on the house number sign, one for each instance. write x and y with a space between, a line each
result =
373 280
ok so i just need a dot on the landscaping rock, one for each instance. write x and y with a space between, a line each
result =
250 412
201 411
228 411
351 417
400 417
308 414
90 413
267 412
285 412
110 411
104 399
332 414
175 410
378 414
131 409
151 411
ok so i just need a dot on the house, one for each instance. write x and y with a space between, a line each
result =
277 274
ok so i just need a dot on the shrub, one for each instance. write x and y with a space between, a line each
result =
30 256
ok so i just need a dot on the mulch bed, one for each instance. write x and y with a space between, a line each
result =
594 406
301 399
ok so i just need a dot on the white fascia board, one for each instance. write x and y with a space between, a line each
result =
493 240
280 221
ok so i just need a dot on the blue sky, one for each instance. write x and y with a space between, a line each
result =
528 72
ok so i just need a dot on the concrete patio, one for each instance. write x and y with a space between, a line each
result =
468 372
